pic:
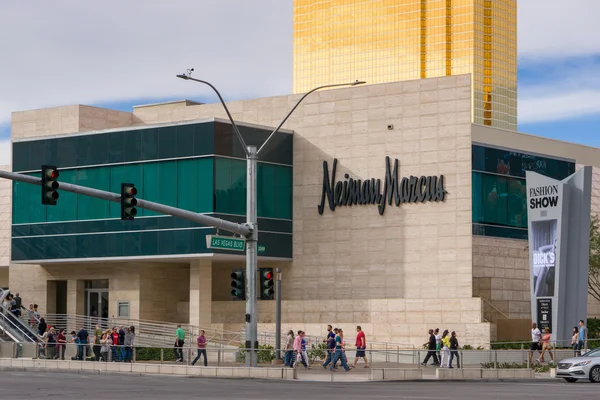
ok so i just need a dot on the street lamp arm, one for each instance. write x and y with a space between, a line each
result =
233 124
296 106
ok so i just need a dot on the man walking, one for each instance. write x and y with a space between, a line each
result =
431 347
179 341
536 336
339 353
361 347
582 343
330 347
201 348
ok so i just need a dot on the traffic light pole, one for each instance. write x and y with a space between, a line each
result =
251 214
251 259
218 223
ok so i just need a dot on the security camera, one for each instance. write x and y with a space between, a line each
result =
390 127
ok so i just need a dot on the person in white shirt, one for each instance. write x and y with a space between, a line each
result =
536 337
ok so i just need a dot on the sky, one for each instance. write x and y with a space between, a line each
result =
117 54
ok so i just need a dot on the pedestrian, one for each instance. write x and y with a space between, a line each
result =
201 342
304 354
42 327
105 342
179 342
575 340
97 345
438 343
582 343
51 344
18 304
61 339
361 346
83 336
536 336
445 349
116 353
122 342
298 349
330 348
289 350
431 350
339 352
454 350
546 346
128 344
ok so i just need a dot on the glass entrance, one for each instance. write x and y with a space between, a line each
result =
96 302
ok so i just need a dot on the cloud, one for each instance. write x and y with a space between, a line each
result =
557 29
561 91
72 52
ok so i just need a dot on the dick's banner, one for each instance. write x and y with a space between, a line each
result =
559 236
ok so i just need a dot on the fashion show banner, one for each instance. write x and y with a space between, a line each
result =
559 237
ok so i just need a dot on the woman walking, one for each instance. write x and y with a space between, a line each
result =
575 339
289 350
105 343
128 343
445 349
454 350
546 346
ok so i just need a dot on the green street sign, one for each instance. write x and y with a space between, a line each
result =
229 243
225 243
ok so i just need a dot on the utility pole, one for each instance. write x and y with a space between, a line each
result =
251 216
278 314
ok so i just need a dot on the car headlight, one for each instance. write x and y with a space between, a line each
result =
582 364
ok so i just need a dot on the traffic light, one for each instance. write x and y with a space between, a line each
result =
49 185
128 201
267 291
238 284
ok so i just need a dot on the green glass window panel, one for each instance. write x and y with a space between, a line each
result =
195 189
499 200
266 198
130 173
285 188
230 186
89 207
160 184
66 208
27 203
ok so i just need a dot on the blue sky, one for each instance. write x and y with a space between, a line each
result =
127 53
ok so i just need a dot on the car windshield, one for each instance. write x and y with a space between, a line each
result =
592 353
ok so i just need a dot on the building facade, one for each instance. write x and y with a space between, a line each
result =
392 40
445 247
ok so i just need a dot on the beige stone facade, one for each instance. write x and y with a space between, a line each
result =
416 267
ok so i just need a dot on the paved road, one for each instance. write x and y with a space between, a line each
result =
67 386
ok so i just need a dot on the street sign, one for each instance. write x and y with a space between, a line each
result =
229 243
225 243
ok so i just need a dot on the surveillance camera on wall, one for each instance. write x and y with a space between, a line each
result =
390 127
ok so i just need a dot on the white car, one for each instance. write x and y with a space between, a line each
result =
586 366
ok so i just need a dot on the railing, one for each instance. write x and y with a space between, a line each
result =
222 357
148 333
269 338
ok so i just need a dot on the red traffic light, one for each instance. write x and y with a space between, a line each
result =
268 275
51 173
131 191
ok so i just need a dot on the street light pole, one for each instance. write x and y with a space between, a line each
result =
251 215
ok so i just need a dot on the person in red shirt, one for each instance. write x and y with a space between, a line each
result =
361 346
201 341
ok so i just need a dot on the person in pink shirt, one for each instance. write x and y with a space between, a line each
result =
298 349
201 341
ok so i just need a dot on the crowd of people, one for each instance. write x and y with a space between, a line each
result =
443 349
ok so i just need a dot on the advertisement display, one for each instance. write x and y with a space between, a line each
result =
558 214
544 240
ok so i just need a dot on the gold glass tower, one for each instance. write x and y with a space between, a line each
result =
392 40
